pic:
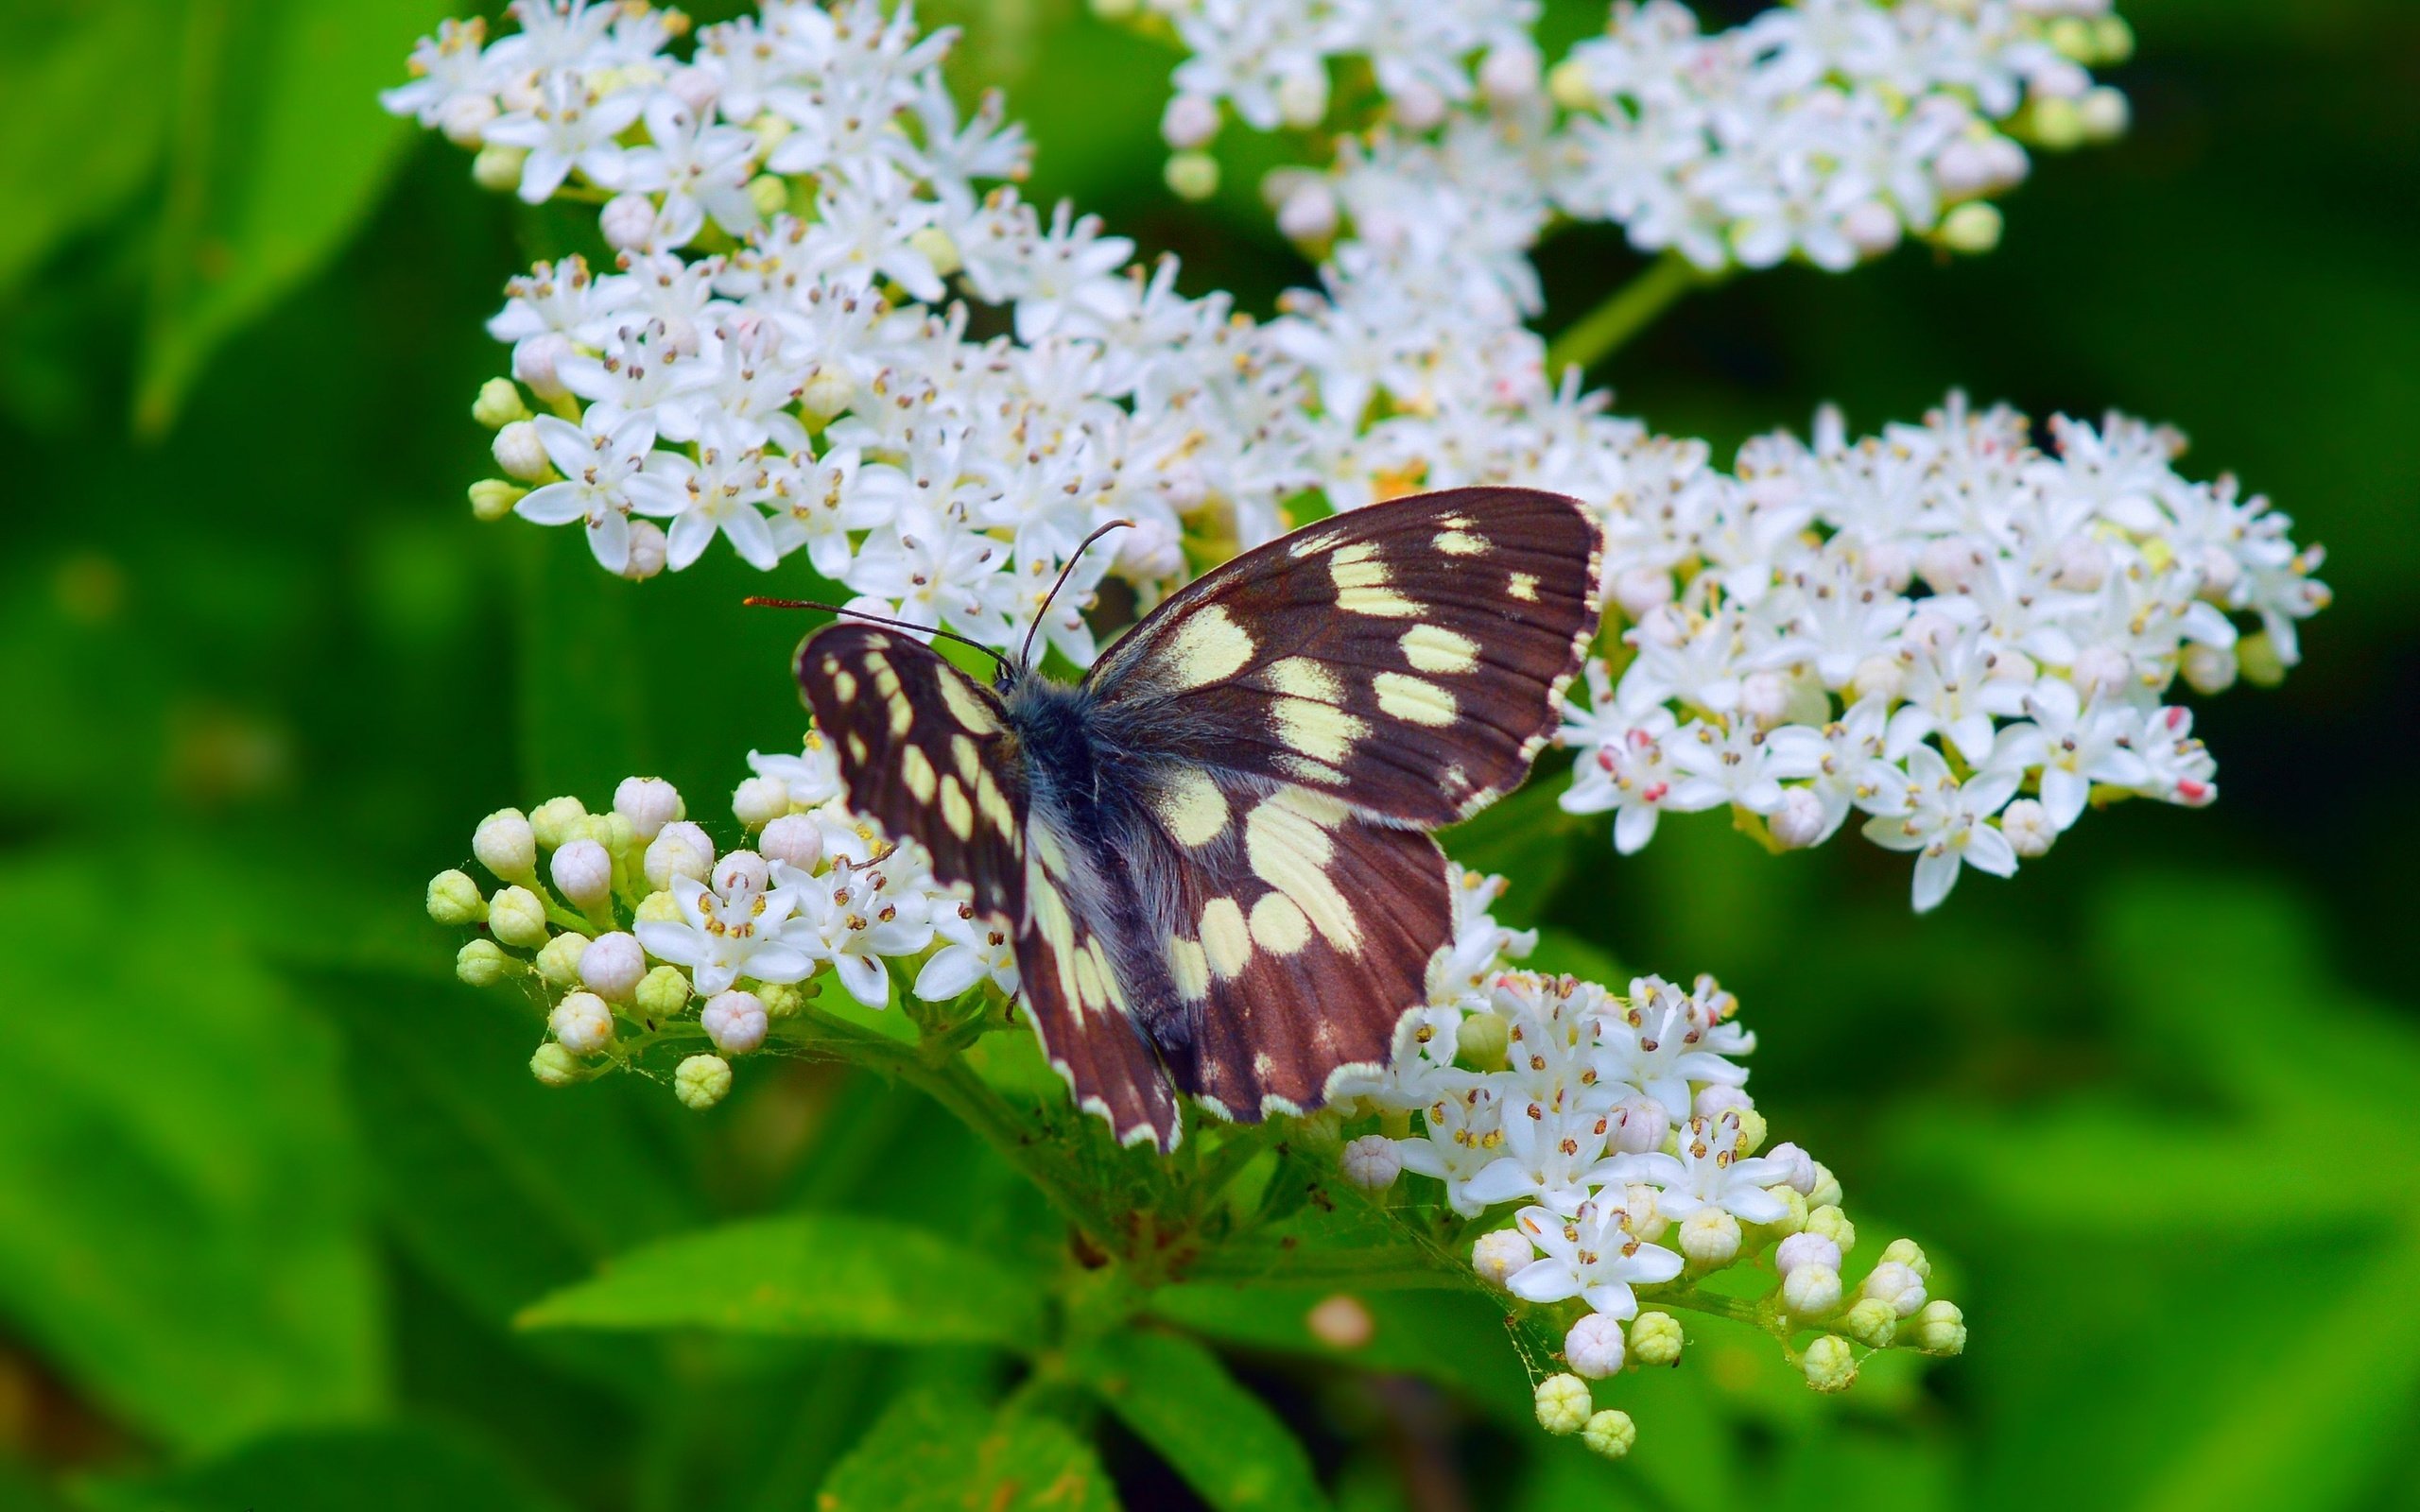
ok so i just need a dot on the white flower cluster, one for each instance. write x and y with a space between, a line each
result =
768 360
1617 1135
1827 130
1923 625
630 919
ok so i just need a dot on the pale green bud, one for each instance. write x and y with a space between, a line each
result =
1751 1130
1972 228
1655 1339
2113 40
498 404
1939 1327
1483 1041
554 1066
1908 1253
1709 1238
1830 1363
1322 1132
1564 1404
701 1081
1568 83
2104 113
1834 1225
939 249
769 193
1872 1322
658 908
492 499
505 846
1812 1290
1827 1190
829 390
2256 658
516 917
662 993
1116 9
483 963
1610 1433
2074 37
497 168
781 1000
453 899
2057 124
558 960
552 820
1792 1221
769 130
1192 175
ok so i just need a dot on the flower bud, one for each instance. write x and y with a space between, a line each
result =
1483 1040
554 1066
1640 1122
2029 828
1647 1221
1189 122
1655 1339
1830 1363
1610 1433
1799 822
552 820
1302 98
1309 212
734 1022
613 966
795 839
1371 1162
453 899
1812 1290
1419 108
1828 1222
583 872
1594 1347
657 908
649 804
1563 1403
1878 677
1640 590
1717 1098
518 451
483 963
1872 1322
558 962
492 499
1908 1253
517 917
628 222
1341 1322
1896 1285
647 551
1569 86
497 168
1710 1238
2080 564
534 360
1497 1254
662 993
464 119
2056 123
782 1000
498 406
760 800
1511 71
2101 669
1764 697
1871 227
1804 1248
1191 175
1827 1188
581 1023
1940 1328
1802 1165
1794 1219
701 1081
1972 228
828 392
681 849
2209 669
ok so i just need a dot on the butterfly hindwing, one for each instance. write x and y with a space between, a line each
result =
1407 658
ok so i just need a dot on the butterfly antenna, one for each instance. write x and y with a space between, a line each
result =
909 625
1025 652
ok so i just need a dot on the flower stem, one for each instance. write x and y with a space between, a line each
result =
1627 311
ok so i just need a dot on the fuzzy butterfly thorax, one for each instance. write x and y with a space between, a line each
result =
1212 852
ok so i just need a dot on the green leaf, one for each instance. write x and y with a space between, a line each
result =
179 1223
370 1469
61 69
940 1452
1177 1397
1527 838
828 1276
277 150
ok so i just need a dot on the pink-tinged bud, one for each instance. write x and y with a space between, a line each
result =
1806 1250
679 850
2080 564
533 363
1497 1254
2029 828
1511 72
1801 1164
794 839
583 873
1419 108
1639 1126
2101 669
1595 1347
760 800
1871 226
1799 822
1640 590
1764 697
1371 1162
648 802
695 88
581 1023
628 222
612 966
736 1022
740 871
1308 212
1189 122
1717 1098
1897 1284
649 549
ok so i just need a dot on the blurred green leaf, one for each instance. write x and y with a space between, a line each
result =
177 1220
816 1276
1526 837
277 150
1177 1397
398 1469
941 1452
62 66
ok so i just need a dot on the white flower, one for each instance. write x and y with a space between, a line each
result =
1709 1173
567 127
1591 1255
729 930
979 950
607 474
854 915
1928 810
812 776
1479 944
1664 1042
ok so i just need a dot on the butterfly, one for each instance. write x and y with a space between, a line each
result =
1212 852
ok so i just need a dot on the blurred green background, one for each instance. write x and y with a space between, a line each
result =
271 1188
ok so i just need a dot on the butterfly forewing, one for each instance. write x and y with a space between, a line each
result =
1407 658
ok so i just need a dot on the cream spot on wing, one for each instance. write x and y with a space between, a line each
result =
956 811
1310 543
1112 991
1207 646
857 748
1459 543
993 804
1058 929
1435 648
1357 567
962 752
1323 1037
1189 969
918 770
1306 770
1320 730
1414 698
1226 941
1455 522
844 685
1378 603
1453 779
877 643
1045 846
1190 804
1524 587
1090 989
1278 926
1476 801
1319 808
903 714
1263 1066
969 708
1303 677
1290 852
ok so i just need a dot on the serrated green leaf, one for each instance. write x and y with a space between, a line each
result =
368 1469
942 1451
831 1276
1177 1399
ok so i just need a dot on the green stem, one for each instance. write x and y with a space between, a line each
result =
1627 311
1395 1268
1738 1309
